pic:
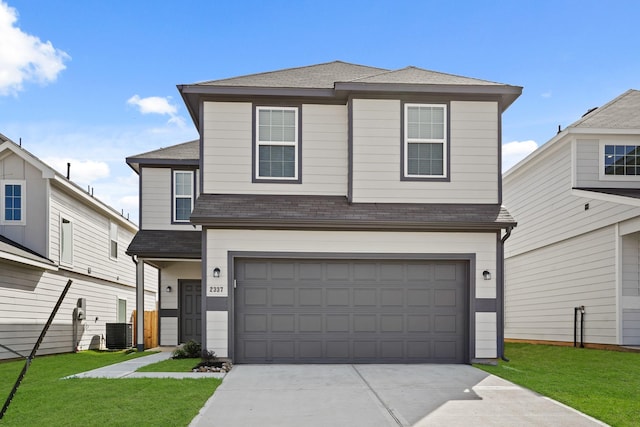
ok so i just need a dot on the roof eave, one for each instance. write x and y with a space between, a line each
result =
507 93
315 224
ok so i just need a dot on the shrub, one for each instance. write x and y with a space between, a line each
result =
190 349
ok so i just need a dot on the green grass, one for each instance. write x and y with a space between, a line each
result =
171 365
600 383
45 399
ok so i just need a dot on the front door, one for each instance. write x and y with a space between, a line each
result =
190 311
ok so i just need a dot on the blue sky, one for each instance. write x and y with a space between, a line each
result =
93 82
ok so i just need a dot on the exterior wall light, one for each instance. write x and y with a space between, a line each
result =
168 289
486 274
216 272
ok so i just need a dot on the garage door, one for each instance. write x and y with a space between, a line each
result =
356 311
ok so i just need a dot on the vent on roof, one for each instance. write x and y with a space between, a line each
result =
590 110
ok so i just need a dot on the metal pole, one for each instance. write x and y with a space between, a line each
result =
35 349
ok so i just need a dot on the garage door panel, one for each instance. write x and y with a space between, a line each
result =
337 323
365 297
338 297
310 271
365 272
310 323
392 297
350 311
419 297
337 350
310 297
445 272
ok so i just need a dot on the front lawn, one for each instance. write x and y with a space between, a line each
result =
171 365
600 383
45 399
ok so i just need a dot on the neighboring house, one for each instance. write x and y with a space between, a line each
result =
343 213
51 231
577 200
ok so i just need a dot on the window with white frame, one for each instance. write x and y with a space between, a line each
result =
66 241
425 141
13 202
621 160
277 143
183 195
113 240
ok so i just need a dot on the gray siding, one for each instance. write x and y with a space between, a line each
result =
27 297
544 286
91 240
34 233
589 162
539 197
473 152
226 154
156 200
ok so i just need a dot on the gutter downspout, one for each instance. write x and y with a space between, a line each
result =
139 303
500 295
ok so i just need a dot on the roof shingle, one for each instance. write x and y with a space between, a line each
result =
166 244
334 212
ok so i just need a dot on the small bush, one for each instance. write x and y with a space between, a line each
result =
209 356
189 350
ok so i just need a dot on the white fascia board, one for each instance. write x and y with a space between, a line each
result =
605 197
26 261
89 200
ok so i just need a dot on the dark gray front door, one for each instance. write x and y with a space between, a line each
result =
351 311
190 311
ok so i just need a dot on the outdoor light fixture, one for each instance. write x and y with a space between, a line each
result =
168 289
486 274
216 272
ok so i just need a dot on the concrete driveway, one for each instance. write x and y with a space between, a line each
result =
377 395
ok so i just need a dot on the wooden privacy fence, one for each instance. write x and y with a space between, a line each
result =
150 329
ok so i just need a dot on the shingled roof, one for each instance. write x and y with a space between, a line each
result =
166 244
622 112
335 213
186 153
337 80
13 251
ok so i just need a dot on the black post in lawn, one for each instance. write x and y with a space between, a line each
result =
35 349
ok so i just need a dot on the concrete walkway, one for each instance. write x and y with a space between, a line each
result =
128 370
378 395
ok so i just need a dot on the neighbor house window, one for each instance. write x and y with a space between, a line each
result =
425 141
113 240
13 202
183 195
277 143
66 241
622 160
121 315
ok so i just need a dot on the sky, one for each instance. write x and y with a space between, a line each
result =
93 82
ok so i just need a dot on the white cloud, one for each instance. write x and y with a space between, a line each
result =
547 94
158 105
514 151
153 105
24 57
83 172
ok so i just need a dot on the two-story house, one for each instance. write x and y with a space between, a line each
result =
577 200
51 231
346 213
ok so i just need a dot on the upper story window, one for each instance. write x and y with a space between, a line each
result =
622 160
66 241
113 240
425 141
13 202
277 144
183 195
